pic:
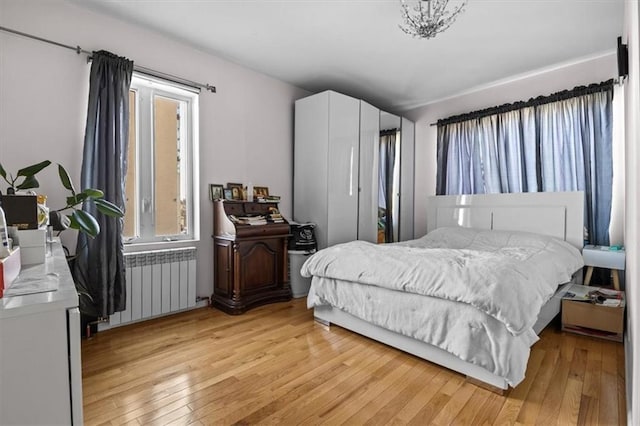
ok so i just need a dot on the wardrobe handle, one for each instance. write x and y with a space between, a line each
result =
351 173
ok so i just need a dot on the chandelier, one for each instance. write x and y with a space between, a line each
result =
428 17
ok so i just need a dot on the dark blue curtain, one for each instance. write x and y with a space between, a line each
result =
99 267
558 143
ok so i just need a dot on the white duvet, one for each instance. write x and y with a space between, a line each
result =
478 292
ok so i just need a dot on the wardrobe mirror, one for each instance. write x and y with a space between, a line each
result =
389 178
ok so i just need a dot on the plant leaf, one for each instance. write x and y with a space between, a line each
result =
81 197
93 193
108 208
29 182
72 200
65 179
3 173
75 199
72 222
33 169
85 223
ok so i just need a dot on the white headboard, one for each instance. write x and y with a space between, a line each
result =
558 214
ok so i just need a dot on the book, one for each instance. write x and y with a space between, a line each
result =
249 220
595 295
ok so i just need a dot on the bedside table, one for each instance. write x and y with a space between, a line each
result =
603 257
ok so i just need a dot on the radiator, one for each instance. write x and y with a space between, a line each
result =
158 283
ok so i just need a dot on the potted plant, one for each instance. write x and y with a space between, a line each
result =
80 220
25 179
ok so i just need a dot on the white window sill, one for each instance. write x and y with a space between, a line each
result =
160 245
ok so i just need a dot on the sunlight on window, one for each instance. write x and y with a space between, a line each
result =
159 183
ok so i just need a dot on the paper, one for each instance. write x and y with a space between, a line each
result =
578 292
597 295
608 291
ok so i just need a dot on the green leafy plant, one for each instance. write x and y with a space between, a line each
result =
79 219
28 176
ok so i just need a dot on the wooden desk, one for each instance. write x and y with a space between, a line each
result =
250 260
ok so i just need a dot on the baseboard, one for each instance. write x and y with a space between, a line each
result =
104 326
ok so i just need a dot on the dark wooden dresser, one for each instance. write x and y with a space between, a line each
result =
250 261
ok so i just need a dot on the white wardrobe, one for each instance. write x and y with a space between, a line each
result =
336 169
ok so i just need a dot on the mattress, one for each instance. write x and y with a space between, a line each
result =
488 318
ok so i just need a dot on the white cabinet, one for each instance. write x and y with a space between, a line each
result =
325 176
368 177
407 179
335 178
40 367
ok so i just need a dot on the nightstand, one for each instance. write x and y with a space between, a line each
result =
603 257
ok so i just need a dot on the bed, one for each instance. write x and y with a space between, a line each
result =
467 328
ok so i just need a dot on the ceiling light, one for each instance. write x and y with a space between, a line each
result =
426 18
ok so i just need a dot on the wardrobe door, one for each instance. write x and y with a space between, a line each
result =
407 175
311 138
343 158
368 181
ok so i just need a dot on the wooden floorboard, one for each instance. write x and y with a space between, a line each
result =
276 365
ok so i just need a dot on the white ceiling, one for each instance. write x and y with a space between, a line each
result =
356 47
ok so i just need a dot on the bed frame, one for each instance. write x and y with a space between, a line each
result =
558 214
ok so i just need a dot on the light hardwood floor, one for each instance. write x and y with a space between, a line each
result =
274 365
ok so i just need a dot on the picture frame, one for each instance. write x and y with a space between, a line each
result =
260 191
216 192
236 190
228 194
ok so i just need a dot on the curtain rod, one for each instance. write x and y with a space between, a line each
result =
138 68
540 100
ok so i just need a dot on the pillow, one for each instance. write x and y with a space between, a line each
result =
484 239
453 237
560 259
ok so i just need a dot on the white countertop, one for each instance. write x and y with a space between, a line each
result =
54 269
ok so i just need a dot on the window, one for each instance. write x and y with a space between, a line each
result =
162 162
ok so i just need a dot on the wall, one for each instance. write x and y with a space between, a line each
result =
544 82
632 212
246 129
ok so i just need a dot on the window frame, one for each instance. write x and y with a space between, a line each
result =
146 88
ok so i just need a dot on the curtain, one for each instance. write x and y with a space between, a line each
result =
99 267
488 155
386 166
559 143
575 151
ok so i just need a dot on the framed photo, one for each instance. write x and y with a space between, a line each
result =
216 192
236 190
260 191
228 194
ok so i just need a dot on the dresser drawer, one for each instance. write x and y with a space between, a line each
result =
234 209
258 208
